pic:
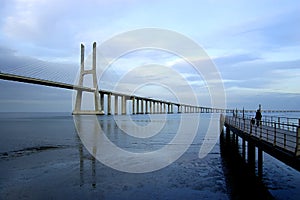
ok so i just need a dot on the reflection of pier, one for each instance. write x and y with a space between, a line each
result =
274 136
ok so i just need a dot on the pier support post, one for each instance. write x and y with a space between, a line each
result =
297 150
260 162
244 148
251 156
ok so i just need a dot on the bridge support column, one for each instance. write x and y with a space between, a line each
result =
123 105
137 106
109 104
153 107
160 107
116 104
142 106
146 107
102 100
150 107
98 110
133 105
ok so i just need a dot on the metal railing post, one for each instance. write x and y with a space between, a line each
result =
284 141
260 135
297 150
274 142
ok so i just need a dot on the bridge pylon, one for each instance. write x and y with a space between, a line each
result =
98 110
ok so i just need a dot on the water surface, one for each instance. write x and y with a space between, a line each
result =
42 157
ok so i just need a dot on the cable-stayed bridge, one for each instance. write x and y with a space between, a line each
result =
116 100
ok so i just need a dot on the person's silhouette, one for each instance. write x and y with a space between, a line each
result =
258 117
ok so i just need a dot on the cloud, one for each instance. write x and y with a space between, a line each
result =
235 59
55 27
250 98
13 63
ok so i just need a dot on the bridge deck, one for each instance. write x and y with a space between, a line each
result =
279 140
23 79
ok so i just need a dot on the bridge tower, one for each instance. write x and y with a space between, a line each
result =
98 110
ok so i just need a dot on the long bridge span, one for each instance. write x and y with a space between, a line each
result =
140 105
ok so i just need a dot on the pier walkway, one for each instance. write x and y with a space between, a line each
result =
277 136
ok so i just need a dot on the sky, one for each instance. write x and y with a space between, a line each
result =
254 45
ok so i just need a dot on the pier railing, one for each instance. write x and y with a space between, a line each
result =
281 132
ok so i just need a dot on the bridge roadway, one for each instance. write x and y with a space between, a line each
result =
279 139
155 105
140 105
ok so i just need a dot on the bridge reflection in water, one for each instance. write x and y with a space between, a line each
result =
68 170
240 182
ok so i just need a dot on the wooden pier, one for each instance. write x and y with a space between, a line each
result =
279 137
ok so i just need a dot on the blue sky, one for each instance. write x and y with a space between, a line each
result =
254 44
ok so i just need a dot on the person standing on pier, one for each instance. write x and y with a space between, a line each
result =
258 117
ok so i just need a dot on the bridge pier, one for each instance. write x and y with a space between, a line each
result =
142 107
137 106
78 103
133 105
109 104
116 104
150 107
146 106
123 105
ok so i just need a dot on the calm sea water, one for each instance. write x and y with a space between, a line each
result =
42 157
